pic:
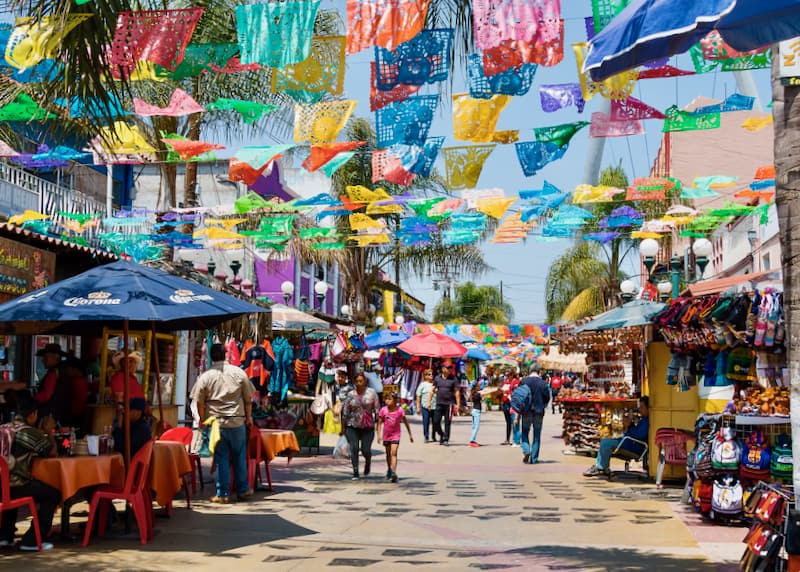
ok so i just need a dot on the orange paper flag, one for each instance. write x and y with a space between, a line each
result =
324 152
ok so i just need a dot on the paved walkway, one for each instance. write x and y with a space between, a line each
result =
453 508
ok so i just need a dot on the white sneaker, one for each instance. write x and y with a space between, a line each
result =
34 548
514 445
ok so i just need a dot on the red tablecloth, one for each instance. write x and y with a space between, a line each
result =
274 441
71 474
169 463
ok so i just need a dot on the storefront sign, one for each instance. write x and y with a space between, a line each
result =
789 62
24 268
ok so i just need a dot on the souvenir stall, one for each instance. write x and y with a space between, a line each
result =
594 409
734 344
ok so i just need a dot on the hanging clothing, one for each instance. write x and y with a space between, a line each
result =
282 372
259 362
234 357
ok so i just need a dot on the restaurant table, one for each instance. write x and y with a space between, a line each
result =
71 475
170 462
274 441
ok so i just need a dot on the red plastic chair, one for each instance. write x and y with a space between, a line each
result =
184 435
7 503
136 491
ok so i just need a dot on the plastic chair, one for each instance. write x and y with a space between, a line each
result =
628 457
184 435
136 491
7 503
673 449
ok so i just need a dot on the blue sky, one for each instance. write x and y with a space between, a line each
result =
523 267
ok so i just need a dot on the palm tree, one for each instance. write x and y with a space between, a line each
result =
474 304
360 266
579 284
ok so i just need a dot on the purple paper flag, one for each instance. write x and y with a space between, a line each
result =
561 95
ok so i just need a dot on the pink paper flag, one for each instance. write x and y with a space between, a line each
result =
157 36
181 103
497 21
632 108
387 166
603 126
6 150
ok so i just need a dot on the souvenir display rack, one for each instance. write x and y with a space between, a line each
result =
587 420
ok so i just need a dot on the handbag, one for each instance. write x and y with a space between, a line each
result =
319 405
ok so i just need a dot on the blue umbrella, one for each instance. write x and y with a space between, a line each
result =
120 292
385 339
460 338
647 30
478 354
629 315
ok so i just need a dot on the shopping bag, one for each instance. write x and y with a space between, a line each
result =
342 449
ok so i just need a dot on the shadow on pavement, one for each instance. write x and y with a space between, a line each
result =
616 559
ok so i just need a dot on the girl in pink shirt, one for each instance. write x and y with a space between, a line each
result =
389 419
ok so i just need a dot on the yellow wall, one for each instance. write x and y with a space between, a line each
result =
669 408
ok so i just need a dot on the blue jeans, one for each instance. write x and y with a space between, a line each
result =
515 436
231 451
535 421
604 453
427 422
476 424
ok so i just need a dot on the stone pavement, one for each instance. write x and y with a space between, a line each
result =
454 508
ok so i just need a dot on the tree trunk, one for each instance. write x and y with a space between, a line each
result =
190 179
786 115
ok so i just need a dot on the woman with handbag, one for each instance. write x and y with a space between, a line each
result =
358 422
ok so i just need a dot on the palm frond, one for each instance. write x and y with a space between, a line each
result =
588 302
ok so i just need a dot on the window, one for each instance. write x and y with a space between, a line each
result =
765 262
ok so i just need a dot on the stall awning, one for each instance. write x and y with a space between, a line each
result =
721 284
286 318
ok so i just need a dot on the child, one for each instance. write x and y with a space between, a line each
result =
389 420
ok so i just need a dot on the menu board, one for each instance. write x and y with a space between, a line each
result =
23 269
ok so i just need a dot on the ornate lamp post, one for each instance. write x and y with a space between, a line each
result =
287 288
320 289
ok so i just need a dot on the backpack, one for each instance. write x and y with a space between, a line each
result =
781 464
727 495
8 432
726 452
702 457
755 457
522 399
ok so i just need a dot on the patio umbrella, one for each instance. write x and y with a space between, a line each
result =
120 295
288 318
432 345
647 30
461 338
478 354
634 313
385 339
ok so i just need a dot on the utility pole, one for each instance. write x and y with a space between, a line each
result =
502 300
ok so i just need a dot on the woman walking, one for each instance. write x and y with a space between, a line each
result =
427 405
358 422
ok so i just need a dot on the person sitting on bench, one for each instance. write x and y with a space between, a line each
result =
638 431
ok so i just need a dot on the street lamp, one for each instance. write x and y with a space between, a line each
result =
235 267
702 249
379 321
675 264
648 249
320 289
346 311
664 290
752 235
287 288
211 267
399 319
628 289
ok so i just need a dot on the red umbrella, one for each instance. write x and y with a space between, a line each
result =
432 345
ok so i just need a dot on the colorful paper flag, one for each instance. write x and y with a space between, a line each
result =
155 36
475 119
463 165
320 73
276 34
677 120
321 122
386 23
180 104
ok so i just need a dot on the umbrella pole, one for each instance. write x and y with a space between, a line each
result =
126 404
154 360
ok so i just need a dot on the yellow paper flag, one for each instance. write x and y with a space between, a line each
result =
619 86
475 119
388 208
370 239
360 221
321 122
26 216
227 223
757 123
594 194
124 139
32 41
216 233
495 207
362 194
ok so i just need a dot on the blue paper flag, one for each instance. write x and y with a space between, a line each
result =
534 155
468 222
406 121
423 59
513 81
762 184
318 200
735 102
419 160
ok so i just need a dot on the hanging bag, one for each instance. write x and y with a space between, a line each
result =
727 496
726 451
782 463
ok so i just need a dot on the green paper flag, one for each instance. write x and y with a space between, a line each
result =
249 202
421 207
559 134
249 110
698 193
678 120
327 246
23 108
198 58
751 62
82 218
318 232
276 224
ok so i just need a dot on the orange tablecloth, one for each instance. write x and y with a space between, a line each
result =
274 441
169 463
71 474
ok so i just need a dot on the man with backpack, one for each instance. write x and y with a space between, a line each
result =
28 442
530 400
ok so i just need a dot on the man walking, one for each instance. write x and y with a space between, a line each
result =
227 392
540 397
447 393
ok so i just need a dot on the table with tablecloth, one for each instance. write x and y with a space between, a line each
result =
71 475
274 441
170 462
